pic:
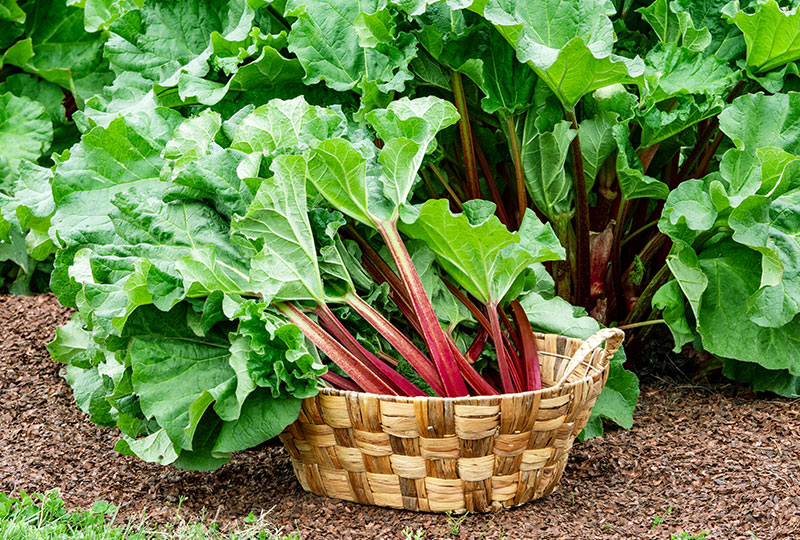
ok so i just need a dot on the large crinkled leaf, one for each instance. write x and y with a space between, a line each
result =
58 49
108 160
473 247
274 354
129 94
770 33
164 39
569 44
756 120
675 27
277 225
727 41
544 157
291 124
778 381
633 182
25 130
688 211
733 273
372 190
99 14
30 208
214 178
660 122
669 299
772 227
672 71
349 45
191 140
685 267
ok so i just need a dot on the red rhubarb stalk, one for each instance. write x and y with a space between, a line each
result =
396 380
477 346
533 376
508 375
398 340
432 331
361 374
340 382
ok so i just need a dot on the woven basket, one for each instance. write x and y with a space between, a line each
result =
473 454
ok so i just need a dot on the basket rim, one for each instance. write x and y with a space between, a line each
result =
528 393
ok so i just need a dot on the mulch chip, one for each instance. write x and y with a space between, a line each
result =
720 457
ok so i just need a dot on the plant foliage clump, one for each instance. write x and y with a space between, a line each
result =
243 198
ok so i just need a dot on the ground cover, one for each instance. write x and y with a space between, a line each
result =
720 457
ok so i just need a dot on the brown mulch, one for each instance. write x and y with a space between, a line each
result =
720 457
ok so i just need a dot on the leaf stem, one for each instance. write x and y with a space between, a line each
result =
404 346
640 324
432 331
491 184
519 173
473 184
581 281
509 376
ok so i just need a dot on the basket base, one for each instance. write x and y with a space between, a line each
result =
430 494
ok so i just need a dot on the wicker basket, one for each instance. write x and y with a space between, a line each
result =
452 454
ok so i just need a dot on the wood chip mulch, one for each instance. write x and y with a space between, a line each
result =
716 458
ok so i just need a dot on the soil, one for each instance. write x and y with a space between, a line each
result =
700 457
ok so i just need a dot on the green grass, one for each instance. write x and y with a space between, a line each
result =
44 517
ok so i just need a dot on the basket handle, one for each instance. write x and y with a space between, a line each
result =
613 336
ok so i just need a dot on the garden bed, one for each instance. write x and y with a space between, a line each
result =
724 460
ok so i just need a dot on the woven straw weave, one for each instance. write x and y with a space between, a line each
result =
452 454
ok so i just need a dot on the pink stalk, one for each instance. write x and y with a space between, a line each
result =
508 375
433 334
340 382
475 380
404 346
477 346
403 386
361 374
533 377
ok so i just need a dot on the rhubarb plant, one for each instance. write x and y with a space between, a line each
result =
247 200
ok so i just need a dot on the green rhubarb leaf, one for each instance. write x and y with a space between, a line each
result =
568 44
779 381
772 227
99 14
672 71
770 33
632 180
485 56
733 274
214 178
753 121
291 124
688 211
473 247
58 49
350 45
25 130
544 158
277 225
190 140
685 267
727 41
274 353
106 161
669 299
660 122
675 27
164 39
597 143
